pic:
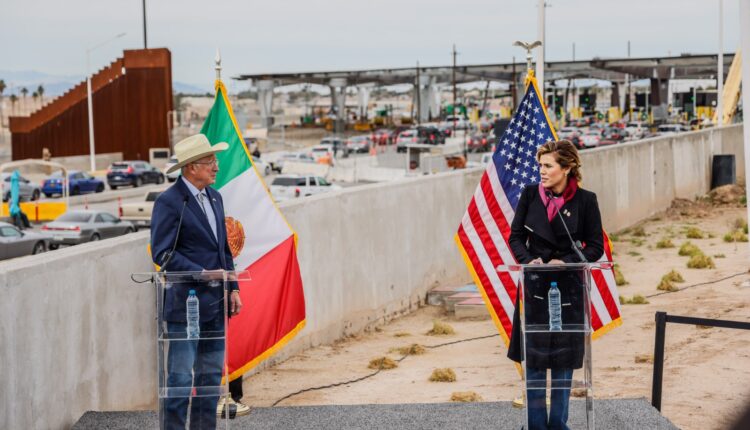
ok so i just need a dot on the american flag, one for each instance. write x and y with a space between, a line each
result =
483 234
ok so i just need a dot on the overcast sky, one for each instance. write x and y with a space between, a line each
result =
51 36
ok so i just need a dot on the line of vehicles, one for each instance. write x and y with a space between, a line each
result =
587 133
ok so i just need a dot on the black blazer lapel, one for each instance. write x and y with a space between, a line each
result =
536 220
570 212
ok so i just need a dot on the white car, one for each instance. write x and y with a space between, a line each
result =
171 177
321 150
286 187
460 122
297 157
591 139
670 129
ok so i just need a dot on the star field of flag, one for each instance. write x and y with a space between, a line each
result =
515 154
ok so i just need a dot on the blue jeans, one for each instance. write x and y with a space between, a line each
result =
193 363
536 401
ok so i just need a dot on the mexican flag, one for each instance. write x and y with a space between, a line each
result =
262 242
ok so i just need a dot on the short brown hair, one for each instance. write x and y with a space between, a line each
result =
565 154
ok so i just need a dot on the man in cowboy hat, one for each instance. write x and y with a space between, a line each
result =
188 234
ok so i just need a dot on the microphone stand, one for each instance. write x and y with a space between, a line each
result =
576 245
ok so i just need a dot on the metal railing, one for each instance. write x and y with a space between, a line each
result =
662 318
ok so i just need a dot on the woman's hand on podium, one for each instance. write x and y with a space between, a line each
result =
556 261
537 260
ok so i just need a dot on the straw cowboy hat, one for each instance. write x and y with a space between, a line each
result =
194 148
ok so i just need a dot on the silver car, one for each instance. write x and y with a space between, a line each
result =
26 190
75 227
16 243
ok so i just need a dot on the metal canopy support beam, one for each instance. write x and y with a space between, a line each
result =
338 101
265 100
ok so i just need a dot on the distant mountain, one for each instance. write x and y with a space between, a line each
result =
56 85
181 87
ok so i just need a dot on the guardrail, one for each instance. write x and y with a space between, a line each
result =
662 318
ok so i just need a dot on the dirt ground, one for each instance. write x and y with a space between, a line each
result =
706 372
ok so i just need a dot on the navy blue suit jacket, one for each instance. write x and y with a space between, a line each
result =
197 249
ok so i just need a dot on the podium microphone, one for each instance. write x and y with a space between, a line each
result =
576 245
168 255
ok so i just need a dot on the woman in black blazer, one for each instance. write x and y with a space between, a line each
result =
538 236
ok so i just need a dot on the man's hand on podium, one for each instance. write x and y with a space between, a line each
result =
235 303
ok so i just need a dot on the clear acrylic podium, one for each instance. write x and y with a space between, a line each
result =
556 359
191 370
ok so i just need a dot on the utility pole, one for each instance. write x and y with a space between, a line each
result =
419 96
720 68
629 102
513 93
454 90
540 36
145 39
574 51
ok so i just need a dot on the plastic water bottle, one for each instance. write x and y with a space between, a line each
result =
193 316
555 312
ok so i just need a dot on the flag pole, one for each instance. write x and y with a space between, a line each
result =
529 57
217 60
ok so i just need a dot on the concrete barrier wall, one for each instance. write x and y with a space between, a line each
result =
76 334
635 180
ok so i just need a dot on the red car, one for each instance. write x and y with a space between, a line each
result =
382 137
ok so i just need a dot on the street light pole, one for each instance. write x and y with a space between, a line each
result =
145 39
720 68
89 102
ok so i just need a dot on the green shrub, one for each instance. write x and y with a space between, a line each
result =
700 261
639 231
674 276
634 253
694 233
720 256
635 300
619 278
664 243
636 242
735 236
688 250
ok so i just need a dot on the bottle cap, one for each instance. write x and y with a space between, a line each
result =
191 292
554 284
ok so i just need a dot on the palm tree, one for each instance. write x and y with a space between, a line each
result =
40 91
24 92
13 100
35 96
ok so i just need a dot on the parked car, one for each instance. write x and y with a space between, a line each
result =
407 137
17 243
424 135
335 143
140 213
478 143
79 183
26 190
572 134
670 129
358 144
591 139
458 121
296 157
172 176
319 151
263 167
80 226
381 137
135 173
285 187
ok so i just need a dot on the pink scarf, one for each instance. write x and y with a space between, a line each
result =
558 201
